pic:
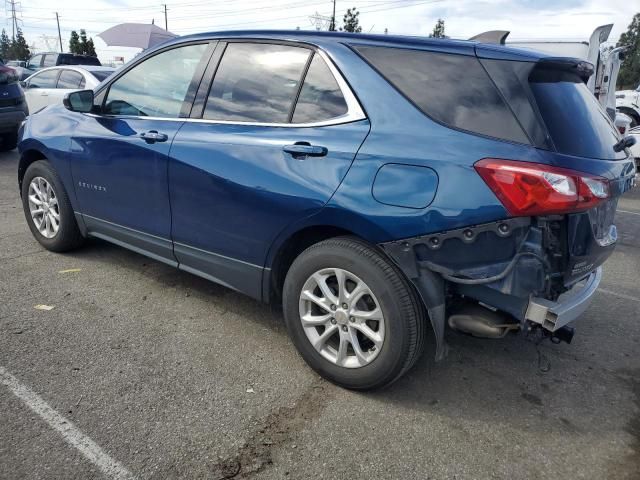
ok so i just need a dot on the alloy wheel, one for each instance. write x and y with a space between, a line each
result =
342 318
43 207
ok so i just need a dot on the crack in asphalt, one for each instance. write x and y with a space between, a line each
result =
630 465
278 428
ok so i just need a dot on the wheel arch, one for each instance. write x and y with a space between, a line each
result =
633 113
28 157
328 223
287 251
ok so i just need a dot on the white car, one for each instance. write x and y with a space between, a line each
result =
49 85
628 102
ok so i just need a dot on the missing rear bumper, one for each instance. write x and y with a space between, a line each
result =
555 315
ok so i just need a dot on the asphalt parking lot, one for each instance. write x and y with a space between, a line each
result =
169 376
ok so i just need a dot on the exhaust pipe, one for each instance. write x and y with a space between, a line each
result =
478 321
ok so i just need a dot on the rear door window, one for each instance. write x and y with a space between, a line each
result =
44 79
256 82
452 89
49 60
320 98
34 62
70 79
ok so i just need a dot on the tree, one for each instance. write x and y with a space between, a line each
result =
74 42
90 48
85 46
351 21
438 30
19 49
5 46
629 76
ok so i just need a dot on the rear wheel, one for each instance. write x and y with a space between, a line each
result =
352 315
47 209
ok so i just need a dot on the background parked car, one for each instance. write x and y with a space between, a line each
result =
50 85
53 59
16 63
635 149
623 123
13 107
628 102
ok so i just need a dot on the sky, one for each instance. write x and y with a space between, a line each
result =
526 19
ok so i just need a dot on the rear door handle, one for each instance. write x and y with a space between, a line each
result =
302 150
152 136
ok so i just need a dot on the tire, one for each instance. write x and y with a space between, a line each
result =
8 141
403 316
68 236
635 118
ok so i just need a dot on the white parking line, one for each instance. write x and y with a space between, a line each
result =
64 427
627 211
621 295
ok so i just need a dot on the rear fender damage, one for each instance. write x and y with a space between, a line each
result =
499 263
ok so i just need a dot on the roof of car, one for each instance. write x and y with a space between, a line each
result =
323 37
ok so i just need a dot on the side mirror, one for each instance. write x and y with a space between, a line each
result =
81 101
24 84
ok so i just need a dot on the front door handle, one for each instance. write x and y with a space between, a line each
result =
303 150
152 136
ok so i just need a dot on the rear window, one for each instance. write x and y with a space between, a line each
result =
78 60
100 75
575 120
452 89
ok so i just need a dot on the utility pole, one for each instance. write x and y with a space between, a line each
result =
59 34
332 27
14 22
166 27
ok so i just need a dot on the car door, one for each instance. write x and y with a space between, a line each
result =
251 161
40 87
119 156
68 81
35 63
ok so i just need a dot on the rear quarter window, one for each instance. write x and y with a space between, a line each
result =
452 89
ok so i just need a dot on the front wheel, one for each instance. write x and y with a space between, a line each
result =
352 315
48 210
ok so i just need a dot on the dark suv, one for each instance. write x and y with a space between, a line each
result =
13 107
372 185
53 59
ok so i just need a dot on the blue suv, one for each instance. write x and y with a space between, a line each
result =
373 185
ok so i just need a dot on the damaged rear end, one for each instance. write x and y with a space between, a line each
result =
539 267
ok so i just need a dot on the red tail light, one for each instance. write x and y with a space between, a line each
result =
529 189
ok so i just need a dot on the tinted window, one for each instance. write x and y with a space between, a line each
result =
78 60
320 98
49 60
44 79
101 75
453 89
34 62
256 82
157 86
70 79
577 123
